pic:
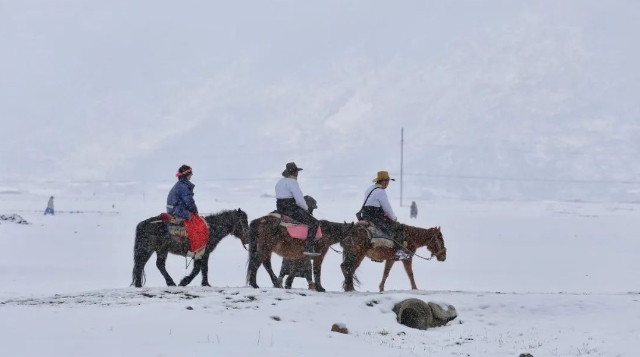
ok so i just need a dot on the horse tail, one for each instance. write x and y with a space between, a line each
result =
140 254
253 258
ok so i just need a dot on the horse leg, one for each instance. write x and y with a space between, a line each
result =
140 259
267 266
317 266
204 270
348 260
388 264
408 267
161 260
197 266
289 282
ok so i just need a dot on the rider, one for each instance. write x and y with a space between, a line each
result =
290 202
180 201
377 210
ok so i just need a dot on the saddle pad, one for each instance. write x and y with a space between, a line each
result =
294 228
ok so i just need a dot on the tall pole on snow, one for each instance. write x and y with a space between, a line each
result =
401 160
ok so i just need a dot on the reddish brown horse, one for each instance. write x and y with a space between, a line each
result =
267 236
357 249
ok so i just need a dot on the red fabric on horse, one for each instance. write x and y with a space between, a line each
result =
165 217
198 232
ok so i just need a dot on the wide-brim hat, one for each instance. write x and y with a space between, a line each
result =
382 176
290 169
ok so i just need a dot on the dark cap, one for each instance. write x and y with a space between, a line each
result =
291 169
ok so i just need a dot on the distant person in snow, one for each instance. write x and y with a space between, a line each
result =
49 209
180 202
414 209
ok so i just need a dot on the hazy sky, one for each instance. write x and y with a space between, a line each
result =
507 89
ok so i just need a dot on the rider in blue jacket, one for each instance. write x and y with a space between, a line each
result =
180 202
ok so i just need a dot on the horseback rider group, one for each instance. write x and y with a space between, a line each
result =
290 201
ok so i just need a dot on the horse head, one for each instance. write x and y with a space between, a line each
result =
439 250
240 224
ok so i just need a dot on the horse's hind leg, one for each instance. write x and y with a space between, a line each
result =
160 263
141 257
350 262
267 266
388 264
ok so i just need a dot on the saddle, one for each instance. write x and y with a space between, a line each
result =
175 226
195 231
294 228
379 239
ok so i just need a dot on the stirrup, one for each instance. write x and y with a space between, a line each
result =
401 255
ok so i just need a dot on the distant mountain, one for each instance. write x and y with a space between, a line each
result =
498 99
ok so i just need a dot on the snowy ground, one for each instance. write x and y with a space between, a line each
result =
546 278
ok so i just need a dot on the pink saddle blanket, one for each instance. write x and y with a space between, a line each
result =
299 231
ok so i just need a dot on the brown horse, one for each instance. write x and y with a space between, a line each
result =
267 236
152 236
357 249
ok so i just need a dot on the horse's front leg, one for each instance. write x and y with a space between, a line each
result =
408 267
161 261
204 269
197 265
317 272
267 266
388 264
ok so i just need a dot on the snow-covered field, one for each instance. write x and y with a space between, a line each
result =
546 278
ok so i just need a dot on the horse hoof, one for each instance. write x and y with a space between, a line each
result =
255 286
320 289
206 284
171 283
287 286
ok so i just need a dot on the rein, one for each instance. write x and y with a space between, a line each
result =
433 255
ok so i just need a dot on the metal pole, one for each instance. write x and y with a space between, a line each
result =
401 160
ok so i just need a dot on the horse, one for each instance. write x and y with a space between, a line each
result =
355 251
267 236
152 236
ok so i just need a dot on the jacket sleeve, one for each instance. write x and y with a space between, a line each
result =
186 196
297 194
386 206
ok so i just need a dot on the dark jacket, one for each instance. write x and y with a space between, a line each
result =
180 201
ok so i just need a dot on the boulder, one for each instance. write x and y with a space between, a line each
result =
422 315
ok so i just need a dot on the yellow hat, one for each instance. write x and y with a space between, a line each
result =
382 175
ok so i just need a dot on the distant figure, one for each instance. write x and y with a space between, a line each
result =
49 209
414 209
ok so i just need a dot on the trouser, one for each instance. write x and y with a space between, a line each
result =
288 207
376 216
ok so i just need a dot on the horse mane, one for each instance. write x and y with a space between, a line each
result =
422 235
221 216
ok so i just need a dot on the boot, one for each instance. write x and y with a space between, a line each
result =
401 255
309 246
